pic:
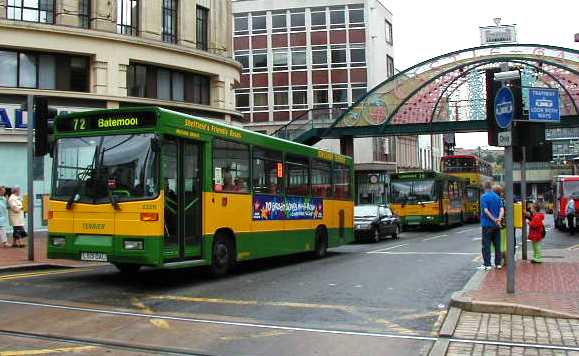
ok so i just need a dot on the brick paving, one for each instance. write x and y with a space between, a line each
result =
12 257
552 285
461 349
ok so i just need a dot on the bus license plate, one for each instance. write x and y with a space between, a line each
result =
93 256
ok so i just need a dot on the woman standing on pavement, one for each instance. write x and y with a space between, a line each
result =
16 215
536 232
3 217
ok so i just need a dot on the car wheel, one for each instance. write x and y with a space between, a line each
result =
375 235
396 233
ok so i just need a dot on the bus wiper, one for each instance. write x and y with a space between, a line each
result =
81 178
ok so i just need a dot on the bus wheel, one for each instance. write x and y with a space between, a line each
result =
321 243
127 268
223 256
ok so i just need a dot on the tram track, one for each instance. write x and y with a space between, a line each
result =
192 320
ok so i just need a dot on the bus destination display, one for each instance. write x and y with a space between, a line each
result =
109 121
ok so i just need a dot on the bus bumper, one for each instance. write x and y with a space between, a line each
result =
421 220
142 250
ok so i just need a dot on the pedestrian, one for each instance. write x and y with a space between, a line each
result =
490 218
500 191
16 214
3 217
536 232
571 214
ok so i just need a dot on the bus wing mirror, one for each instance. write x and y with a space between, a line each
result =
155 145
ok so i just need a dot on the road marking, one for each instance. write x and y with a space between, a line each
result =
573 247
253 336
477 239
395 327
249 302
466 230
38 274
428 253
47 351
435 237
220 322
387 248
161 324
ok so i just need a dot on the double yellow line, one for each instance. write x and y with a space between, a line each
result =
38 274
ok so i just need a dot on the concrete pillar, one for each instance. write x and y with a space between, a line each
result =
3 9
122 79
347 145
151 18
66 13
186 24
104 15
218 93
100 82
220 26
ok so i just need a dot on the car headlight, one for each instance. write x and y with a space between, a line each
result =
58 241
363 226
133 244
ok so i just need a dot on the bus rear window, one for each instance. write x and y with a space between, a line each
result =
342 182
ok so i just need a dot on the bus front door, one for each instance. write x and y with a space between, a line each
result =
182 174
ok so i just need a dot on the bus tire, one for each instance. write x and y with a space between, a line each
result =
321 243
127 268
223 255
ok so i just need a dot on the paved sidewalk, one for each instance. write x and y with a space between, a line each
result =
549 289
17 258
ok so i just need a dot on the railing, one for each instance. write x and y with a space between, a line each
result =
311 119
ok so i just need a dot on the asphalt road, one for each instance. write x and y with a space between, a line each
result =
385 298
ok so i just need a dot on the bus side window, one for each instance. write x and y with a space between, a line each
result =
297 173
267 175
342 181
321 178
233 159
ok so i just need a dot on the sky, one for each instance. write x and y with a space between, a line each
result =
424 29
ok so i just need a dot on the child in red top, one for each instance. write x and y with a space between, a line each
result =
536 232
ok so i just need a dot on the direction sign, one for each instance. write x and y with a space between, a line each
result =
544 105
504 107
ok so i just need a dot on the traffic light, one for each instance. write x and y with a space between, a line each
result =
43 126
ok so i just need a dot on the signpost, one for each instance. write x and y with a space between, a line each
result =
504 107
544 105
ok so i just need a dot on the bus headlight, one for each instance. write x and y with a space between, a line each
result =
429 217
58 241
133 244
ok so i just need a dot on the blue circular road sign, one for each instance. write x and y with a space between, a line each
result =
504 107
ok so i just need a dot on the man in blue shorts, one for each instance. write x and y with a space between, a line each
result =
491 215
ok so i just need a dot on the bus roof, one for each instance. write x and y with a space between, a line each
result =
181 124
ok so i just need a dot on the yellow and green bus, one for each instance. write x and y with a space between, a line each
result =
154 187
427 198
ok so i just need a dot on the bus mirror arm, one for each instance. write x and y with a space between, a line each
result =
155 145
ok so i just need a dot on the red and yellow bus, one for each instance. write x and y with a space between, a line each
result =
153 187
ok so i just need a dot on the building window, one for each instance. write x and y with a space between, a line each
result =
357 56
389 66
280 98
319 57
320 96
31 10
278 22
242 100
356 15
318 18
298 20
265 171
243 58
202 28
170 21
260 61
388 32
299 98
337 17
358 91
298 58
258 23
260 100
231 160
339 94
241 24
339 56
279 59
84 13
127 17
43 71
153 82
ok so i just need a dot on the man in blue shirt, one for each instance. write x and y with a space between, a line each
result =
492 212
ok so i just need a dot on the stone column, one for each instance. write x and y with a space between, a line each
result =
100 79
104 15
66 13
220 27
3 4
151 19
217 93
186 21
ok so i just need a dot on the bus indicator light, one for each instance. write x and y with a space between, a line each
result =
280 170
149 216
